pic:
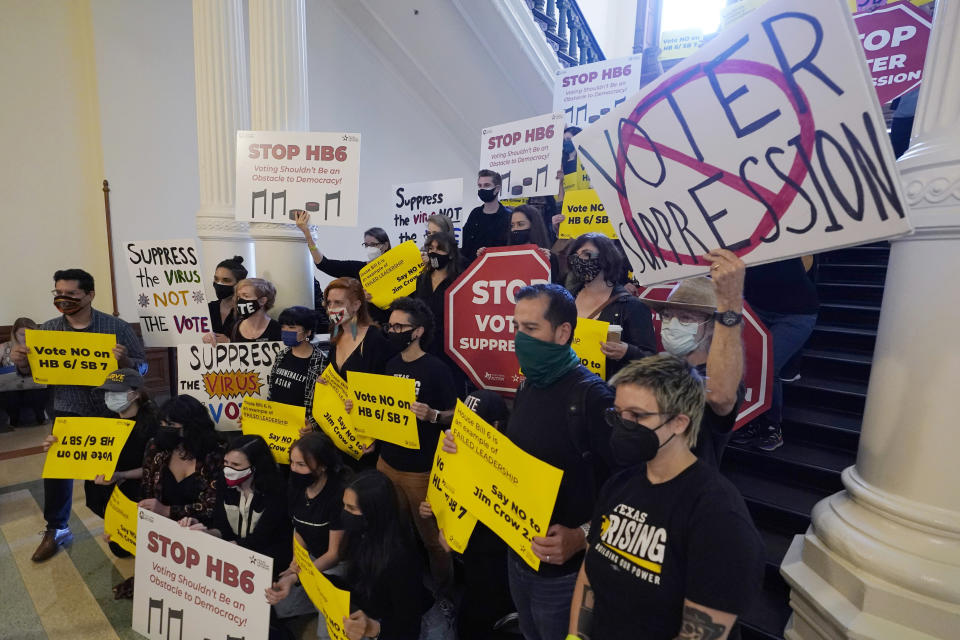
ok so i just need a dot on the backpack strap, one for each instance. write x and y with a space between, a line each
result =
611 300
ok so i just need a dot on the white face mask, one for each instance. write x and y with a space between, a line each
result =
679 338
235 477
373 253
117 401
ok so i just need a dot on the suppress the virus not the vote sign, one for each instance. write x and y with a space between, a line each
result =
768 141
479 333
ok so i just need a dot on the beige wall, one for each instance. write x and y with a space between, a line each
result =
52 166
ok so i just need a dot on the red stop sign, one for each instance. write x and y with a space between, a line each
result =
758 356
894 40
479 312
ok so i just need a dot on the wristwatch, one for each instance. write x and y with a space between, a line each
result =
728 318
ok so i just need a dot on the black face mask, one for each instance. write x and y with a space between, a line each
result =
301 480
438 260
632 443
352 522
520 236
400 340
487 195
246 308
223 290
168 438
586 270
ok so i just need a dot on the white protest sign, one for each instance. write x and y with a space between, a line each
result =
167 283
191 585
280 172
587 92
526 154
769 141
414 202
221 376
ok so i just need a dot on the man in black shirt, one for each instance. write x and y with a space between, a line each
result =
487 225
672 549
702 321
558 418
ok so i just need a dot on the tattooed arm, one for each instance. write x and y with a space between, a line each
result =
581 608
704 623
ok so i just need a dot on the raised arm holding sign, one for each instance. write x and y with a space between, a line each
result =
392 275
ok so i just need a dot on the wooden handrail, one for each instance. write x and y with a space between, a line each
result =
113 280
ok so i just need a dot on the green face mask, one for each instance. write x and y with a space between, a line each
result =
543 363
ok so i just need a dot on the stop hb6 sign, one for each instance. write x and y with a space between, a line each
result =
479 314
758 356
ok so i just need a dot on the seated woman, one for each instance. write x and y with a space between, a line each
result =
526 227
255 297
251 507
315 504
223 313
596 265
384 572
295 372
671 549
18 391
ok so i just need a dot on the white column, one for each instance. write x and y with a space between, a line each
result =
882 559
223 106
279 102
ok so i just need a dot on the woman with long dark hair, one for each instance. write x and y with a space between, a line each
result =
251 508
223 313
384 573
442 266
527 227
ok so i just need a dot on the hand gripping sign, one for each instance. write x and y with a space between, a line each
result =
332 417
768 141
392 275
381 408
85 447
757 357
120 521
70 357
479 311
330 601
452 518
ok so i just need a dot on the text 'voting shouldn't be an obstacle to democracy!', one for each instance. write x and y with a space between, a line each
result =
768 141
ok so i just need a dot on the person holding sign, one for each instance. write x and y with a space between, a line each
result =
73 296
223 310
596 263
411 325
489 224
558 417
672 550
383 569
701 321
526 227
255 296
295 372
251 507
358 345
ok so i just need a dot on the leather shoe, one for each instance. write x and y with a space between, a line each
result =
52 540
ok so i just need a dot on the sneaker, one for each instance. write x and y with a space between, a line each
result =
790 377
52 540
772 439
746 435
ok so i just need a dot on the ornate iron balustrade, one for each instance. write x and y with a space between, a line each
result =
567 31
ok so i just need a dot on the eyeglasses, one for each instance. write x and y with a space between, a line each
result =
372 244
686 317
630 420
399 328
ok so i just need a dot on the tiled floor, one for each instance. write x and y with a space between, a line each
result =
70 596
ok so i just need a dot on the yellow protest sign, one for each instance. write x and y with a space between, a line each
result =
381 408
452 517
513 203
70 357
85 447
332 416
576 181
277 423
392 275
583 212
120 521
332 602
502 485
586 344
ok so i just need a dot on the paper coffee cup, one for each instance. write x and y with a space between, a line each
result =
614 332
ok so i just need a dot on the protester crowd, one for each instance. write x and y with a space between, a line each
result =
646 537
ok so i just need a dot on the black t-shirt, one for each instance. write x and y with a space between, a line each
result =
542 426
782 287
715 430
289 381
485 230
370 356
434 388
217 324
652 546
314 518
271 334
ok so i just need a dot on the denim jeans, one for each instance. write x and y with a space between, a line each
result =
790 332
542 603
57 496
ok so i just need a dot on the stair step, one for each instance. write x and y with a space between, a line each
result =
859 273
864 254
850 292
837 355
774 505
802 462
833 337
822 427
839 395
766 618
849 315
836 363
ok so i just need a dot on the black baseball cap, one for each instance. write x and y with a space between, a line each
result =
122 380
489 405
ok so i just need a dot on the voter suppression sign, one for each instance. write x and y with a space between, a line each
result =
894 41
479 313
